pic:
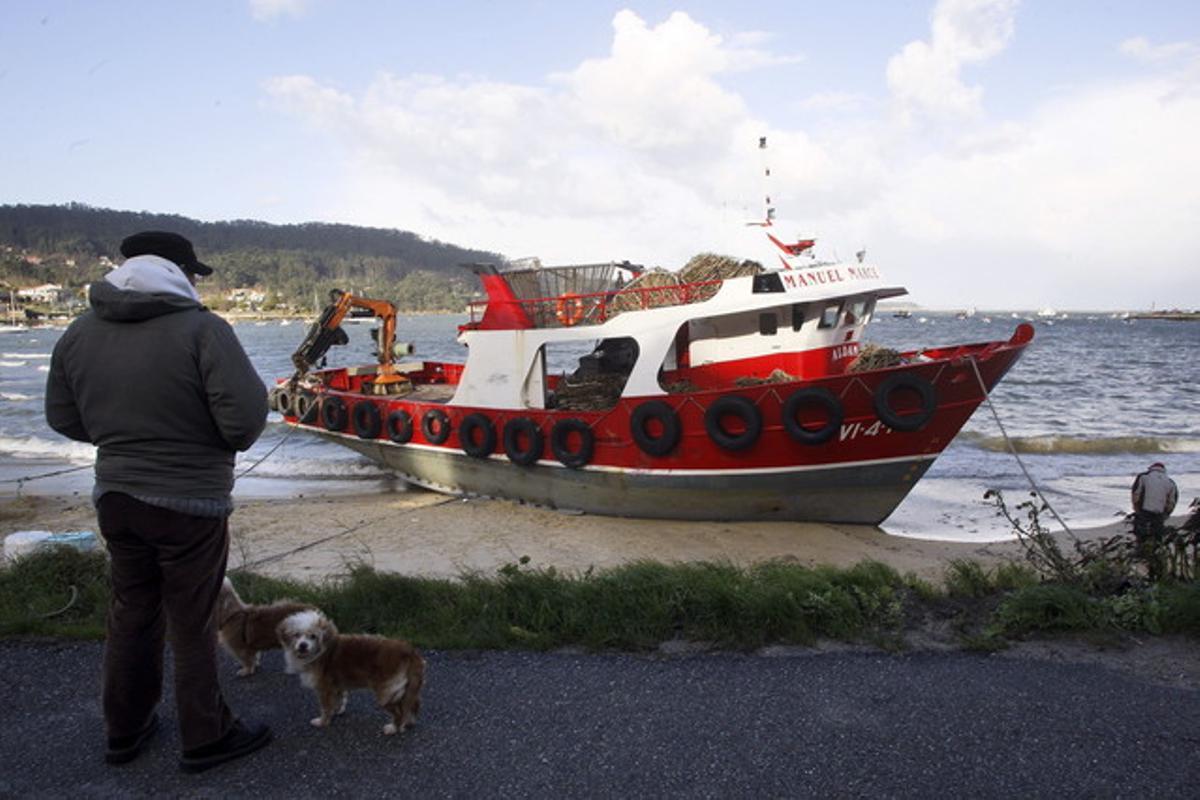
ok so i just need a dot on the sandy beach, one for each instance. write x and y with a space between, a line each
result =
422 533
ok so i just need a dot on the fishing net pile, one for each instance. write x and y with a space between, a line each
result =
652 289
776 376
589 393
712 267
681 387
872 356
658 287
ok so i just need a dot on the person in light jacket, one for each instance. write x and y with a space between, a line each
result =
165 391
1154 496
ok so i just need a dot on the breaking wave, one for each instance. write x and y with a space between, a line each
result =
309 469
24 355
33 447
15 396
7 363
1083 445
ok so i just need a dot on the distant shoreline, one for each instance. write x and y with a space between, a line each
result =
1175 316
270 316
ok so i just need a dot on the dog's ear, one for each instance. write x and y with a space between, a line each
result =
329 631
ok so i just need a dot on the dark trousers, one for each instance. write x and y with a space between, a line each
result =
1148 531
167 569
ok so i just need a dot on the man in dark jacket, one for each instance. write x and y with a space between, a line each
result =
165 391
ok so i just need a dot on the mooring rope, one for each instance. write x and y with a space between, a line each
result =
20 482
1008 441
291 429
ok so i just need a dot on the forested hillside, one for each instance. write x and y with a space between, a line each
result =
74 244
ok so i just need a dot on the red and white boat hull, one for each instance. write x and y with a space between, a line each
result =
850 466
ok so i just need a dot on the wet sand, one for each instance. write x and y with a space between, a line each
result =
427 534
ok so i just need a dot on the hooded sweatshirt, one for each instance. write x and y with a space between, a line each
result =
1154 492
160 385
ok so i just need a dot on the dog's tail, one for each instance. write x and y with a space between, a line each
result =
410 701
229 601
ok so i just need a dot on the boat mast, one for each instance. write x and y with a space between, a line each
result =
768 209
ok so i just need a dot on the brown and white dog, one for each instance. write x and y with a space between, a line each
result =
246 630
332 664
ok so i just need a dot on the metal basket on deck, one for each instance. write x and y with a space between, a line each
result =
542 291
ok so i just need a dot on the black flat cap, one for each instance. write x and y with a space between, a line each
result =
170 246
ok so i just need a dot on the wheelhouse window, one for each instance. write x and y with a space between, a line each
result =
768 324
856 312
830 315
797 317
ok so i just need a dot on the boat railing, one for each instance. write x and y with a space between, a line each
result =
594 308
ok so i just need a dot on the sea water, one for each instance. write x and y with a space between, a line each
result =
1093 401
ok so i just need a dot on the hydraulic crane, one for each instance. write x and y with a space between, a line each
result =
327 331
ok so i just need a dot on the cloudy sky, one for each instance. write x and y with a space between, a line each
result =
988 153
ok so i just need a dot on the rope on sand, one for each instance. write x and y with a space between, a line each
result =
330 537
1013 450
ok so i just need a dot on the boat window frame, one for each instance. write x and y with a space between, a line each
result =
863 306
768 323
825 320
798 316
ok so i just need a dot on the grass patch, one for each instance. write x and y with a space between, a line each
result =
633 607
639 606
57 590
1047 608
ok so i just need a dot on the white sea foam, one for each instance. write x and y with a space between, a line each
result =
277 466
14 396
12 363
24 355
1083 445
33 447
43 368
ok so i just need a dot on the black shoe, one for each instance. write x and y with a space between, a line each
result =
241 740
123 749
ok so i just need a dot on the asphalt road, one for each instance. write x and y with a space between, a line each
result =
498 725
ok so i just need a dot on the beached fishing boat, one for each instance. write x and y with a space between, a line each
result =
735 393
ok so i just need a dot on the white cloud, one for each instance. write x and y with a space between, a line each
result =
834 102
263 10
304 96
1142 49
925 76
648 154
613 147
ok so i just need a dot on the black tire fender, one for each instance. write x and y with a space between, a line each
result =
665 442
283 402
400 426
907 422
435 425
737 406
514 429
487 433
560 437
366 419
333 413
304 405
812 395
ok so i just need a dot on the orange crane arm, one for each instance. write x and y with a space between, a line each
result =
326 332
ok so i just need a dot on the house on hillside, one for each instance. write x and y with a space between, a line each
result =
246 298
50 293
